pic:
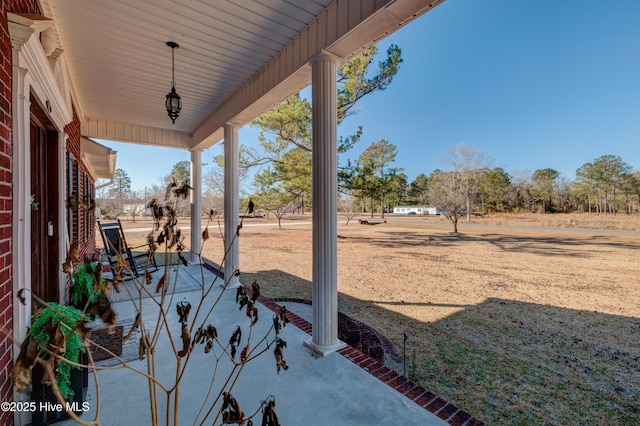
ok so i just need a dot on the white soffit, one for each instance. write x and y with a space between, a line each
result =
237 58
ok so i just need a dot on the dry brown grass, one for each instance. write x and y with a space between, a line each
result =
569 220
513 325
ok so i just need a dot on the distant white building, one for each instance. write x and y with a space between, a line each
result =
420 210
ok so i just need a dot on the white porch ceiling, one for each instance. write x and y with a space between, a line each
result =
237 58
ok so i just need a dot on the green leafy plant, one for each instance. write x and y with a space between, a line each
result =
84 278
54 314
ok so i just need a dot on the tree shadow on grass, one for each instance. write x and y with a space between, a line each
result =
506 361
545 245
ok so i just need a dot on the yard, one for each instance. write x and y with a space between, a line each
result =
513 324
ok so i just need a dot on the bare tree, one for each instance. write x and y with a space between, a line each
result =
133 210
213 180
346 204
470 165
448 193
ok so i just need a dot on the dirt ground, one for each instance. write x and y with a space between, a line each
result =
514 324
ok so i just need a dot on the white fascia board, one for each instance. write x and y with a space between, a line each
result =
134 133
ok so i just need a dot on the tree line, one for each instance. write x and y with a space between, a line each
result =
607 185
372 185
469 185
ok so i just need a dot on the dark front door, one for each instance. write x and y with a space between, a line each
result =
45 257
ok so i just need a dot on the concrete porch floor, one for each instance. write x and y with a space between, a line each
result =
344 388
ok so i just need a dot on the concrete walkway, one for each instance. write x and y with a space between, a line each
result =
332 390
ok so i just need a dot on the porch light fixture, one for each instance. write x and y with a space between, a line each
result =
173 102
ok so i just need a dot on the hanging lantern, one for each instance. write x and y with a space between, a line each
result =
173 102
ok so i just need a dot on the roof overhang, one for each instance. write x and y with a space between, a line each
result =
99 159
236 59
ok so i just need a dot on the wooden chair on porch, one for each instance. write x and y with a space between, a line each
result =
137 259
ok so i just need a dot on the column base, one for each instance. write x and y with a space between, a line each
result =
324 350
231 285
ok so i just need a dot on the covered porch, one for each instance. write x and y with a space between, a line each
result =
233 63
110 65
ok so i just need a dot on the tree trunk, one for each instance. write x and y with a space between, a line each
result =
468 210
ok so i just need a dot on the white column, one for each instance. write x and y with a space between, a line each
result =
231 204
195 181
324 196
21 229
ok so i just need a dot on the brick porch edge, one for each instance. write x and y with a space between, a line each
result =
416 393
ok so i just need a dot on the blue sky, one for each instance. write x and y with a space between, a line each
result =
531 84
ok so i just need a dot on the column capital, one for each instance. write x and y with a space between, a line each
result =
23 25
233 123
326 56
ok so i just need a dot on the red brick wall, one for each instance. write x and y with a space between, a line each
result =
6 217
82 221
6 200
83 230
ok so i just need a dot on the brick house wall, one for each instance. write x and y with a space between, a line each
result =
81 221
6 218
84 229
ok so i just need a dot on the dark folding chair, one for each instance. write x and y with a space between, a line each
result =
116 247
